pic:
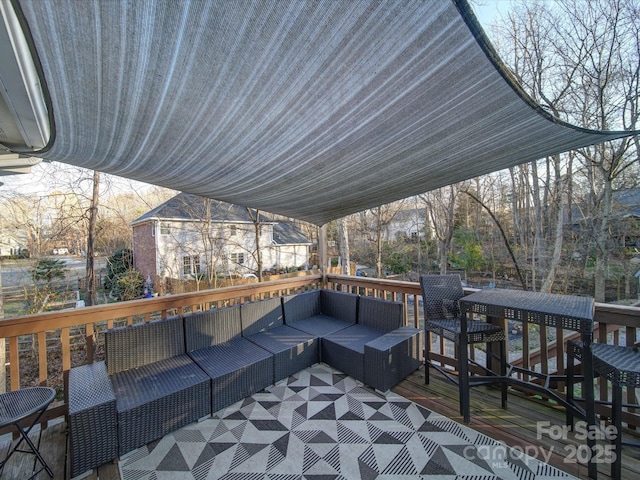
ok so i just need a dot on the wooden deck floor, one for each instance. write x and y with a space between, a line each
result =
516 427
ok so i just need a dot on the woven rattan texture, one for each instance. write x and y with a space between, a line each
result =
440 293
569 312
237 370
391 357
212 327
344 349
300 306
293 350
619 364
155 399
261 316
142 344
93 435
477 330
380 314
339 305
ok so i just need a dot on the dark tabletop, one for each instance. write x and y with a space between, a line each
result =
571 312
19 404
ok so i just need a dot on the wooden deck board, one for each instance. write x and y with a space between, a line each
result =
51 443
515 426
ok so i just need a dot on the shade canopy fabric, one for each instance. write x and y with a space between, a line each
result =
310 109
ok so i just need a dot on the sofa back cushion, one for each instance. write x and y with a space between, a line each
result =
380 314
212 327
261 316
340 305
144 343
301 305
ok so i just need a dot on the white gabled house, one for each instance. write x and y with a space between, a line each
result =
188 236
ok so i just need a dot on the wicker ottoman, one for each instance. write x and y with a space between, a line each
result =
390 358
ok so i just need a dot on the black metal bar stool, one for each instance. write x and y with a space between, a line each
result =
440 297
621 366
18 405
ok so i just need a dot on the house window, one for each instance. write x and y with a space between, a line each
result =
191 265
165 228
233 231
237 258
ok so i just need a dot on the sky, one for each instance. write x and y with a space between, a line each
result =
488 10
47 177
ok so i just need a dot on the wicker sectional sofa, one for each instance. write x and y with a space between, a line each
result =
156 386
237 367
293 350
162 375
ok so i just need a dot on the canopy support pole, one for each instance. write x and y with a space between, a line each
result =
322 253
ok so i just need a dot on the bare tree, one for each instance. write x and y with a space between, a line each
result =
441 205
580 61
257 229
343 239
383 216
90 295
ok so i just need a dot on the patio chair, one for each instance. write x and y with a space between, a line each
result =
238 368
440 296
619 365
293 350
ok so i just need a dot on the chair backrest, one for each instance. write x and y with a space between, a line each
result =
261 316
144 343
301 305
340 305
440 295
212 327
380 314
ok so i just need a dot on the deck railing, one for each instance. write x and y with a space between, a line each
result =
42 348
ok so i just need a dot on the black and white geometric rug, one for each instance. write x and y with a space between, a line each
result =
322 424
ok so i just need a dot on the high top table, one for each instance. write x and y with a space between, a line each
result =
18 405
569 312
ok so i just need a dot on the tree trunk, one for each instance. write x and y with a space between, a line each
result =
90 294
557 251
379 242
602 241
556 257
343 235
539 244
258 233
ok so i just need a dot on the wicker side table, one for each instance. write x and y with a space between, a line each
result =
391 357
93 435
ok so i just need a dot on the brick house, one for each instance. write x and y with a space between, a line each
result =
189 236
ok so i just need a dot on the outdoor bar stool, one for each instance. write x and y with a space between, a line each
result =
620 365
440 296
